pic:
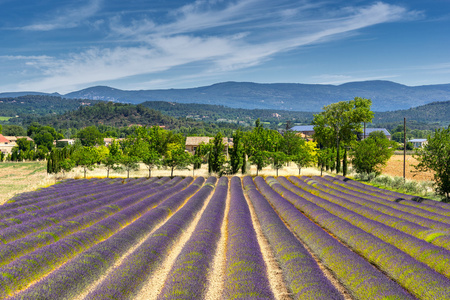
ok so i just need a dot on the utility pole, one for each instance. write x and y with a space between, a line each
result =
404 149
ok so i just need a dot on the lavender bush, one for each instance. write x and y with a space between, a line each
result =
19 273
188 277
415 276
303 276
129 277
360 278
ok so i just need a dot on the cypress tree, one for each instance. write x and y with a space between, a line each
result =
244 163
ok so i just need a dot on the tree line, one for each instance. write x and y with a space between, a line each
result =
156 147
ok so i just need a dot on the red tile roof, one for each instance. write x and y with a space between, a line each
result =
3 139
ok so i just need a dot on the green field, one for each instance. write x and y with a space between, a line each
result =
4 118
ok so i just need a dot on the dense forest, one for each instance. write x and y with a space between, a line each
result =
39 105
220 113
115 118
109 114
435 114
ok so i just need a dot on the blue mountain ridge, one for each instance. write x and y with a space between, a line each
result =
385 95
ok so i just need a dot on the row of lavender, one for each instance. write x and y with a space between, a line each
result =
429 226
45 217
39 252
188 277
418 266
302 274
357 188
245 270
357 274
31 235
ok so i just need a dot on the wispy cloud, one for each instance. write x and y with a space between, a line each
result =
222 35
67 17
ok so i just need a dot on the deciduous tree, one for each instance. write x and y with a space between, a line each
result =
113 159
435 156
372 153
278 159
152 159
90 136
129 163
259 143
176 158
339 122
86 157
305 155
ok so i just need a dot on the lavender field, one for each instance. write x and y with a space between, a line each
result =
223 238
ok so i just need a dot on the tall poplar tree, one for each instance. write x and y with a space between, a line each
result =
216 158
236 152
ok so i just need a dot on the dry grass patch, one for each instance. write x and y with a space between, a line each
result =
19 177
394 167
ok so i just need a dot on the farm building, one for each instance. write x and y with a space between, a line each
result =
370 130
418 143
11 139
64 142
8 142
192 142
5 145
306 131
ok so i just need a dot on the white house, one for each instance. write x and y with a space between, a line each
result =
418 143
6 144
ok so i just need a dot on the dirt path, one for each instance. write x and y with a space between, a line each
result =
153 287
274 272
216 278
92 286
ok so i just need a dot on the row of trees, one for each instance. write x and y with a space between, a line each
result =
153 146
156 147
335 128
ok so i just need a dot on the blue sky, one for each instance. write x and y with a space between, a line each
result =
62 46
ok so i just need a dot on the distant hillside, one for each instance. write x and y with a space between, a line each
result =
385 95
39 105
19 94
109 114
435 112
220 113
76 113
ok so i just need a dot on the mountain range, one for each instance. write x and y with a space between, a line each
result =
385 95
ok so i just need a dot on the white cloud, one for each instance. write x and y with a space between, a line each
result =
245 33
23 57
68 17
